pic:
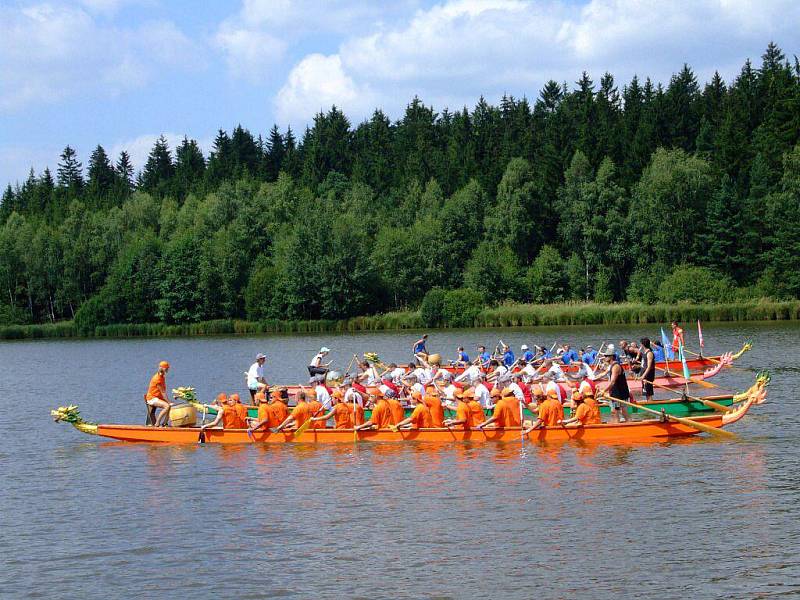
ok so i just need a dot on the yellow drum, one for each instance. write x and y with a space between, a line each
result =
183 415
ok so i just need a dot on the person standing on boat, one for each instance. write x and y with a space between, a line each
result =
617 386
419 350
648 369
316 367
677 337
255 376
156 396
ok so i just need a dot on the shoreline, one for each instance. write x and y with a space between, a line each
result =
506 315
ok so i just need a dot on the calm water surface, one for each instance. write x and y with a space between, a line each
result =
83 518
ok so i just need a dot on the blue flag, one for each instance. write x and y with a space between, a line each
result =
686 373
668 353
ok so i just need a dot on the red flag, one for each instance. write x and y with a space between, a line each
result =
700 333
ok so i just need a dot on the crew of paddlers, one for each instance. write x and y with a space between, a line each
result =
490 391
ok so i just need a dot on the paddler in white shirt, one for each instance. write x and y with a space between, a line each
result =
323 396
482 394
470 374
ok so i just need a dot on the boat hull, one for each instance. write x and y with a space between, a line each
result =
631 431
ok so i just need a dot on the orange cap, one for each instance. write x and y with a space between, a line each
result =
507 392
416 395
163 365
469 393
338 394
222 397
235 397
276 395
495 393
311 393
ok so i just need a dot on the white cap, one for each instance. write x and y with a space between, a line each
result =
609 350
324 349
523 347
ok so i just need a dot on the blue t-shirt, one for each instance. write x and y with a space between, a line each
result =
528 356
462 356
569 356
508 358
658 353
485 357
420 347
590 357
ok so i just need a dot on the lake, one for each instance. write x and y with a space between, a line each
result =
86 518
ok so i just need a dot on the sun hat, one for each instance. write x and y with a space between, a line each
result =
260 355
324 349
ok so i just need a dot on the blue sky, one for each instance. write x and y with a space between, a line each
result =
121 72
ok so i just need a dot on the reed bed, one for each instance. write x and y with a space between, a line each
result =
505 315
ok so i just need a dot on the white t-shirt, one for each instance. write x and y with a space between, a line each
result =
424 376
470 373
585 370
323 397
518 394
500 371
443 374
372 376
418 387
529 370
352 395
397 375
450 392
556 372
552 386
254 374
482 395
317 360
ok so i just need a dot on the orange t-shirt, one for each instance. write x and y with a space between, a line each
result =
278 412
434 404
314 407
594 411
263 412
234 416
551 412
359 414
301 413
421 416
477 416
382 415
343 416
463 414
584 414
157 387
398 414
512 405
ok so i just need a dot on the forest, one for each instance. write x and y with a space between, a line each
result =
598 191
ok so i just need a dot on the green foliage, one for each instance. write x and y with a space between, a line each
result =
461 306
594 191
695 284
431 310
547 277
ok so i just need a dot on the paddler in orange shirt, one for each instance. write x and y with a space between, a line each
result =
299 415
315 408
381 415
463 417
156 397
420 417
398 413
586 413
434 404
506 410
341 412
270 415
476 414
232 413
551 412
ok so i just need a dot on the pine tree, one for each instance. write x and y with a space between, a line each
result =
220 161
124 176
101 176
70 177
159 169
275 154
190 166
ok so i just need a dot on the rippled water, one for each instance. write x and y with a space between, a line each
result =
82 518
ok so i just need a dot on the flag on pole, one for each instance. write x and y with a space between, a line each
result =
668 353
686 372
700 333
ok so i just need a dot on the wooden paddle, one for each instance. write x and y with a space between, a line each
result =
711 404
699 382
681 420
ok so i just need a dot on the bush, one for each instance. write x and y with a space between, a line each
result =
461 307
695 284
644 283
11 315
432 307
547 278
97 310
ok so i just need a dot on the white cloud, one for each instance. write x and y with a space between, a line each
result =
317 83
50 51
453 52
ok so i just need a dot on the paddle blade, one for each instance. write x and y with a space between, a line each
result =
202 438
302 429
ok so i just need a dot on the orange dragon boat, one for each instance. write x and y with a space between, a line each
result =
632 431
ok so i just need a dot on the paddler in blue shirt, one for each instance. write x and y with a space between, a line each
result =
462 359
484 358
569 355
590 355
527 355
508 356
658 351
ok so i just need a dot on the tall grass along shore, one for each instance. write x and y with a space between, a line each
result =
505 315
